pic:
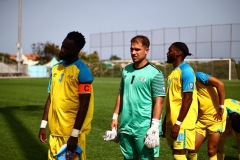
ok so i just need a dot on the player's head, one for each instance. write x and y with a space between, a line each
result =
177 50
78 38
235 122
183 48
142 40
139 48
71 46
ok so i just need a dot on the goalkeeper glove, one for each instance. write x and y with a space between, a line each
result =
111 135
152 137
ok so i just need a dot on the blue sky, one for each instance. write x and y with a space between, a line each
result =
51 20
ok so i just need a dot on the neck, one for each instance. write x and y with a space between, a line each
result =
71 60
177 63
140 64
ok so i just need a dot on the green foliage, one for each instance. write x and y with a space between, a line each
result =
21 108
114 57
45 51
5 58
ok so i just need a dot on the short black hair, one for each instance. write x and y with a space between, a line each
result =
78 38
182 47
235 121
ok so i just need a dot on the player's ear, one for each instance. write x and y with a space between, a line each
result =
146 50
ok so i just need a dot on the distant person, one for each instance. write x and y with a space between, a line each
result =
211 116
232 126
181 102
69 106
140 102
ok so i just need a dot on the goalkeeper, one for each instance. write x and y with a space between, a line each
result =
212 114
140 102
232 126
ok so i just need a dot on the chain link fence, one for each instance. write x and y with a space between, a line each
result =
204 42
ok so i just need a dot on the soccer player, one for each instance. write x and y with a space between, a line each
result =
181 102
211 117
69 106
140 102
232 126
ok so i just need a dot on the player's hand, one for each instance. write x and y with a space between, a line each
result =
72 143
219 114
42 135
152 137
114 123
175 130
111 135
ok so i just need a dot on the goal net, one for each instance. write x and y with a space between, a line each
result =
219 68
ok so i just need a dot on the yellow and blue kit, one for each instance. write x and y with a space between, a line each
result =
65 84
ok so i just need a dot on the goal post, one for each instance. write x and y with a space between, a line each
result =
219 68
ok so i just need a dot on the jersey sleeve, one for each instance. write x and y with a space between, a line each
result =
158 85
188 80
202 77
85 75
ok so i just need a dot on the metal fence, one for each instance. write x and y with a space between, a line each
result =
210 41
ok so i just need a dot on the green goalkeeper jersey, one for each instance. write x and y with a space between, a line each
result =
139 87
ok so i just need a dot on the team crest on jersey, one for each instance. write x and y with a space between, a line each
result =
142 79
191 85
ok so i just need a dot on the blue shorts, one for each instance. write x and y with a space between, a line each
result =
133 147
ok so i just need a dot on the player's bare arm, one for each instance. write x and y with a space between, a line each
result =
158 106
81 115
186 103
116 112
219 85
42 131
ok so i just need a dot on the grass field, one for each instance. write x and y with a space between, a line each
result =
21 107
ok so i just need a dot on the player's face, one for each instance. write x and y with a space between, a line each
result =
171 55
138 52
68 50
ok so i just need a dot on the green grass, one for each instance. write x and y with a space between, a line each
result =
21 108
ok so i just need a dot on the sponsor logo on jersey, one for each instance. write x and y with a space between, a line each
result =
142 79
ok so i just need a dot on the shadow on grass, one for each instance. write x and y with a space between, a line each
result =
31 147
230 158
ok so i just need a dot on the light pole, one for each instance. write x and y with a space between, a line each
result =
19 43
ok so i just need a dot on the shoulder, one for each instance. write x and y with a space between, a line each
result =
202 77
128 67
185 67
186 70
80 64
154 68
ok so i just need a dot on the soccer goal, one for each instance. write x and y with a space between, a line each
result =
219 68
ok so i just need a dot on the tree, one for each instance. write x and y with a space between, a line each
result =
45 51
114 57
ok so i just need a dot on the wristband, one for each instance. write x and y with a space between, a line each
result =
155 123
75 132
115 116
221 106
178 123
43 124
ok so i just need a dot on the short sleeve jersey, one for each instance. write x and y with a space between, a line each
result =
64 88
139 87
232 106
207 97
182 79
